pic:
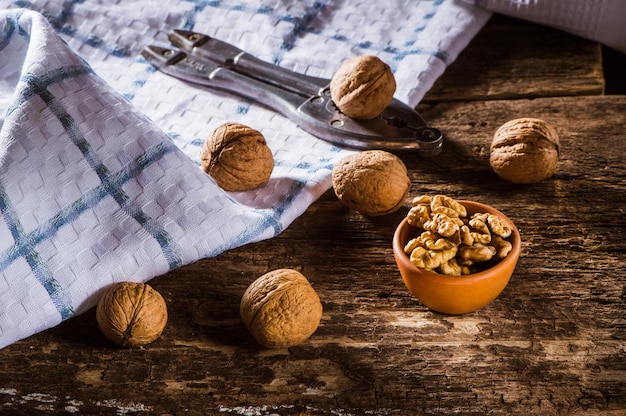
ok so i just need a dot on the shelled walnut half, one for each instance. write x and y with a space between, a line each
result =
452 243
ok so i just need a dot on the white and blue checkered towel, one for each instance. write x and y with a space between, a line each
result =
99 153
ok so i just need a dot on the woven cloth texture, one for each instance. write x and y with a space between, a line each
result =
99 153
599 20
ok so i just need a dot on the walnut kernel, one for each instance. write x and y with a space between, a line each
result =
362 87
131 314
525 150
452 243
373 182
237 157
281 309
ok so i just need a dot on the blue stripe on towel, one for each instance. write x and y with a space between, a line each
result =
301 24
111 184
23 247
25 243
438 53
59 21
10 27
72 211
48 79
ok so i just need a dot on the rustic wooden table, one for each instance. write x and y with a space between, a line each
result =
554 342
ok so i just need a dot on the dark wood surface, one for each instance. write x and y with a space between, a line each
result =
552 343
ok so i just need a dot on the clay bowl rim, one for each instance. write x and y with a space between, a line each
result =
487 274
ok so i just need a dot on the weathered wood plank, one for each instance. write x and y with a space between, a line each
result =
553 343
511 59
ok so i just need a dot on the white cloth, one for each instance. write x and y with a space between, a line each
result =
603 21
99 173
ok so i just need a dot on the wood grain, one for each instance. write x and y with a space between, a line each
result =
552 343
510 58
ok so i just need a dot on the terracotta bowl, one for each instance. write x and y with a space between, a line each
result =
456 295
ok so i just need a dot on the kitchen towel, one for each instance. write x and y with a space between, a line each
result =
603 21
99 153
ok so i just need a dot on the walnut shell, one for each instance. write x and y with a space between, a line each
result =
525 150
281 309
131 314
237 157
362 87
373 182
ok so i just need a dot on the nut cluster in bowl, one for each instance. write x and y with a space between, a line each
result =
451 242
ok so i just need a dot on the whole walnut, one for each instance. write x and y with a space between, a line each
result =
281 309
237 157
131 314
373 182
525 150
362 87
